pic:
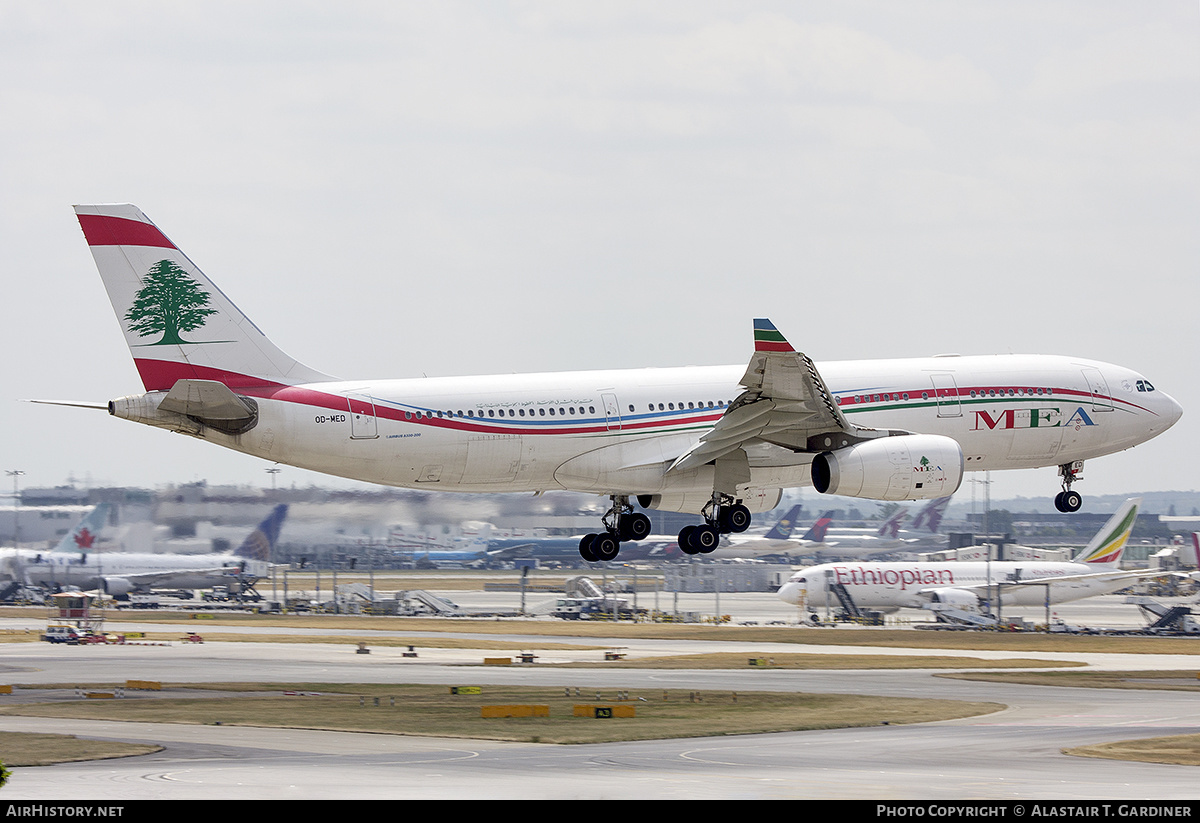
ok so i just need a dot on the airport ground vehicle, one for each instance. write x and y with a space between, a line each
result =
63 634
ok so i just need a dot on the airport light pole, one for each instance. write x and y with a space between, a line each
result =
15 474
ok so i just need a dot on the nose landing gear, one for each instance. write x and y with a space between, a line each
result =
1067 500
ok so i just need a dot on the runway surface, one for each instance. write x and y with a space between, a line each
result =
1014 754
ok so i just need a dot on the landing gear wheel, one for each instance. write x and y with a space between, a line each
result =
585 548
605 547
706 538
635 526
687 543
1068 501
735 519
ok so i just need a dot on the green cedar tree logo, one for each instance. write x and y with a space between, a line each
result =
170 302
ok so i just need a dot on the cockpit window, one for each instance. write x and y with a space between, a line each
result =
1145 385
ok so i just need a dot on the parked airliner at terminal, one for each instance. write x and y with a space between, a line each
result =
721 442
973 584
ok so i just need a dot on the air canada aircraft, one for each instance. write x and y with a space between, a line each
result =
721 442
969 584
119 573
79 539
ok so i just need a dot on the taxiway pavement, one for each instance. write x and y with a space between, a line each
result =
1013 754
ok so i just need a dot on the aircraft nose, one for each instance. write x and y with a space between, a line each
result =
790 592
1173 410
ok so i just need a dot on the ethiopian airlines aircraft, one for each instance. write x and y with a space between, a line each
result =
717 441
967 584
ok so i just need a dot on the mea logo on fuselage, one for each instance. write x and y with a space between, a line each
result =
1046 418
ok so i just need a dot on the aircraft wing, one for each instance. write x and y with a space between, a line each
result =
166 579
785 403
511 552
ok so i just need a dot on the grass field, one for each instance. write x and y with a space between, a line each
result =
23 749
1163 680
1181 750
434 711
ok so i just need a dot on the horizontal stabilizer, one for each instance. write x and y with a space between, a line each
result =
207 400
211 403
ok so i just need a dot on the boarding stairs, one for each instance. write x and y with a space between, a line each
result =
582 587
947 613
433 602
1166 618
848 605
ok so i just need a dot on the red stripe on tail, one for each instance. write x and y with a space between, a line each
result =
102 230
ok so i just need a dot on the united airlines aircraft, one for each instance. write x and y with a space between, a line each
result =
721 442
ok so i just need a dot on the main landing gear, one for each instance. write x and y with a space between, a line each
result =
720 518
621 525
1066 500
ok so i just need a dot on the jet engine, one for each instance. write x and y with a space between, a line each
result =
117 586
904 467
959 598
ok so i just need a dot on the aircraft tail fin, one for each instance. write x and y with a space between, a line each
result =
929 518
177 323
891 527
81 538
260 543
783 529
1109 543
816 532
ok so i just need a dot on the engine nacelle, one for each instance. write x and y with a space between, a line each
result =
958 598
904 467
117 586
756 500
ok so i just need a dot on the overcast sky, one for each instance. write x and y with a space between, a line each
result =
393 189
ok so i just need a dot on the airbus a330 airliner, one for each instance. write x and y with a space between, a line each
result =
721 442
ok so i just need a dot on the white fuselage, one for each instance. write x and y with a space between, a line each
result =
890 586
91 570
618 431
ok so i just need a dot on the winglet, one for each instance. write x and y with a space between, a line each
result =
768 338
